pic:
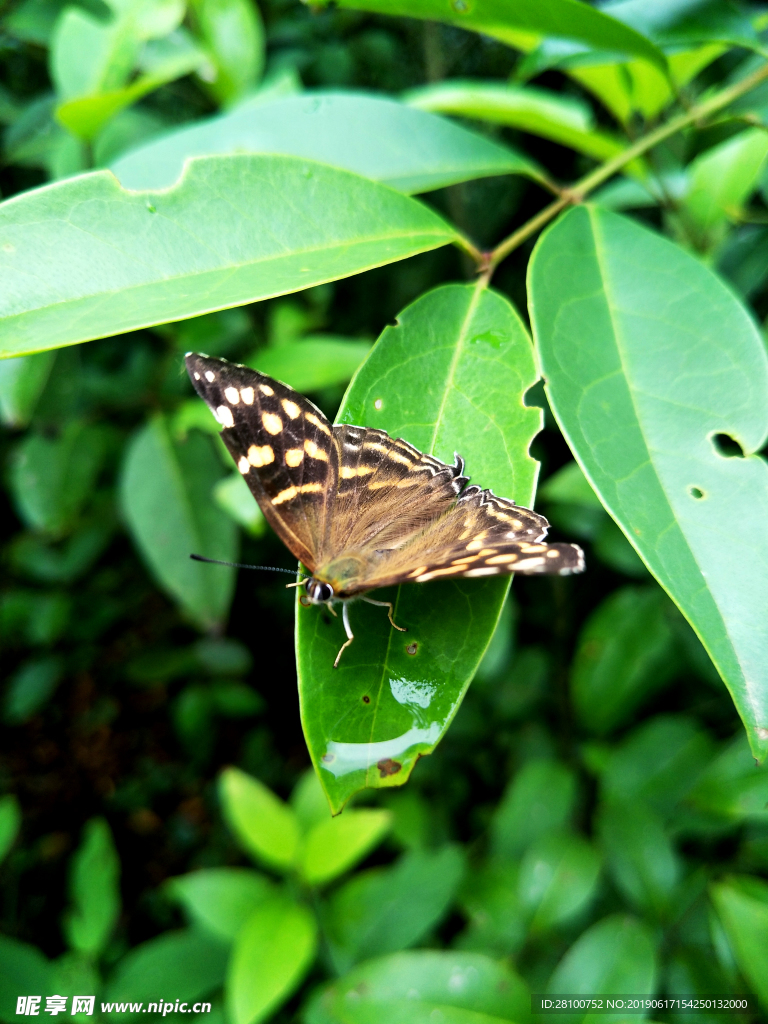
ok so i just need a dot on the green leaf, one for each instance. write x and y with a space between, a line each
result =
210 242
387 909
614 956
52 477
265 826
335 845
742 904
21 383
722 179
309 802
165 492
232 495
10 823
186 964
524 21
540 799
657 764
272 953
557 880
89 55
451 376
677 25
23 971
639 856
490 899
537 111
733 786
234 35
624 654
312 363
221 899
94 886
652 365
422 987
379 138
30 688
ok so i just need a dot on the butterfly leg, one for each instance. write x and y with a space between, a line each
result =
347 630
390 611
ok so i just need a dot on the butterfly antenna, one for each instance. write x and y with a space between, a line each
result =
241 565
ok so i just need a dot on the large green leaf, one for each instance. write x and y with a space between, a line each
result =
450 376
742 903
84 258
424 987
654 370
523 21
166 499
387 141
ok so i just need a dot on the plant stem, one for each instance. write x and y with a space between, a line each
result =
577 192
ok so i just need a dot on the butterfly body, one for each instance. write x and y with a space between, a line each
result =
360 509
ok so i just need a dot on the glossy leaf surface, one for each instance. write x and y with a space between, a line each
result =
166 499
449 377
422 987
84 258
652 366
526 20
407 149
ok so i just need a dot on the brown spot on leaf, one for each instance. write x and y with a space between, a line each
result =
304 600
366 699
388 767
412 648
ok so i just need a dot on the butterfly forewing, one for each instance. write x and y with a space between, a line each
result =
282 444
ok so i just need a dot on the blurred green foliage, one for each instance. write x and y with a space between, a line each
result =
593 820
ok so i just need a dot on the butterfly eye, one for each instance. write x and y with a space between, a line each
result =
319 593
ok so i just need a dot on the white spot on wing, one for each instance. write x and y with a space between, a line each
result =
224 416
232 395
272 423
210 376
247 395
243 465
291 408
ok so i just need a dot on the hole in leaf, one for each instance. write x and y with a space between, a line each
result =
366 699
696 492
412 648
727 446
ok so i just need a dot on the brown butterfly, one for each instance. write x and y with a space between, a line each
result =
360 509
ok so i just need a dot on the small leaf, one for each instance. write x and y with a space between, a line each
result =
742 905
733 786
186 964
232 495
234 35
312 363
354 131
211 241
557 880
52 478
10 823
652 366
451 376
272 953
337 844
94 889
23 970
615 956
624 654
221 899
166 496
383 910
723 178
30 688
639 856
540 799
21 383
266 827
540 112
424 986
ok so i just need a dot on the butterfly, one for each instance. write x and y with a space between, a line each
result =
360 509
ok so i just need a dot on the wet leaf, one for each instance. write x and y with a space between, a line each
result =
449 377
210 242
656 374
166 496
379 138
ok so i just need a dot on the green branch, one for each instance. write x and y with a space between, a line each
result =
577 192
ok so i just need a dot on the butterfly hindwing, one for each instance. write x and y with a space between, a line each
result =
282 445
